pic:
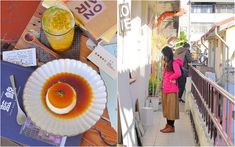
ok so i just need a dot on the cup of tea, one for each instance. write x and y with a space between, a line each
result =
58 25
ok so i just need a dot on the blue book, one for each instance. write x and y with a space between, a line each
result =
28 133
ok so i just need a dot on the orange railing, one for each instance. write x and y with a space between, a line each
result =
216 106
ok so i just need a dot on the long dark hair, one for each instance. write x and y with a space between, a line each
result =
168 58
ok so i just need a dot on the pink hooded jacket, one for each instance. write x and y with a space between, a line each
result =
169 87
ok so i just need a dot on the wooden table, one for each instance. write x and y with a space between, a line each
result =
92 136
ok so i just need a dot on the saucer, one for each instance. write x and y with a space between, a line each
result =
45 119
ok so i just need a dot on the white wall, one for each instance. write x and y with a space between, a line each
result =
212 45
198 18
184 20
206 18
133 56
230 36
219 61
209 17
212 1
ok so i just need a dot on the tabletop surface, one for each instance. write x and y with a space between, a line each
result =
103 126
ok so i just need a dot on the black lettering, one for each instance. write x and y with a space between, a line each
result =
81 9
93 1
87 4
97 8
88 14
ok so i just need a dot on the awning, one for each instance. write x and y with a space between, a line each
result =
230 21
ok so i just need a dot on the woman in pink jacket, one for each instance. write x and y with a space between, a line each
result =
170 103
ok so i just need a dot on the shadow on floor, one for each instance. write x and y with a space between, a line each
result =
183 135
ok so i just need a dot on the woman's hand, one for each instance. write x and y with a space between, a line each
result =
173 81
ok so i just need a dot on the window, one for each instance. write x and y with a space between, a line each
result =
200 27
202 8
212 8
224 8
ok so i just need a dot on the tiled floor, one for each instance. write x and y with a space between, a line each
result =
183 135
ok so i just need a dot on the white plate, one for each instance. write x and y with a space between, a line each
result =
46 120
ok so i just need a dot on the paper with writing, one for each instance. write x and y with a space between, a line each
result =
24 57
104 60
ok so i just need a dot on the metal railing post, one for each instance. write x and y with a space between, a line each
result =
216 106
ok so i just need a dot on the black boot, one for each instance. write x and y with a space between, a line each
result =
181 100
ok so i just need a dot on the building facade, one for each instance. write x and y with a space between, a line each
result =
200 15
221 50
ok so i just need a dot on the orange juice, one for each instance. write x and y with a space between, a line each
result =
58 24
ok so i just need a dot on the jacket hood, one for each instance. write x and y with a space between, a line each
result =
179 61
180 50
180 53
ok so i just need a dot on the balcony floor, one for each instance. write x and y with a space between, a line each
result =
183 135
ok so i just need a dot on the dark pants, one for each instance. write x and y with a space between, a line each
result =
170 122
181 83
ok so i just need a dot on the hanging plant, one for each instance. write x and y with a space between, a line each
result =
181 40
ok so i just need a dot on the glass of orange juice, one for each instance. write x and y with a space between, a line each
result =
58 24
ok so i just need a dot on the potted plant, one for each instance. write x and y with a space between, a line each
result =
152 86
154 91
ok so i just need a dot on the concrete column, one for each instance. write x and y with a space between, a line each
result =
187 93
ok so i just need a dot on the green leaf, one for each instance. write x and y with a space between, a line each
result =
60 92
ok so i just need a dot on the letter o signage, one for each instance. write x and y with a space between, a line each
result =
125 10
125 18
